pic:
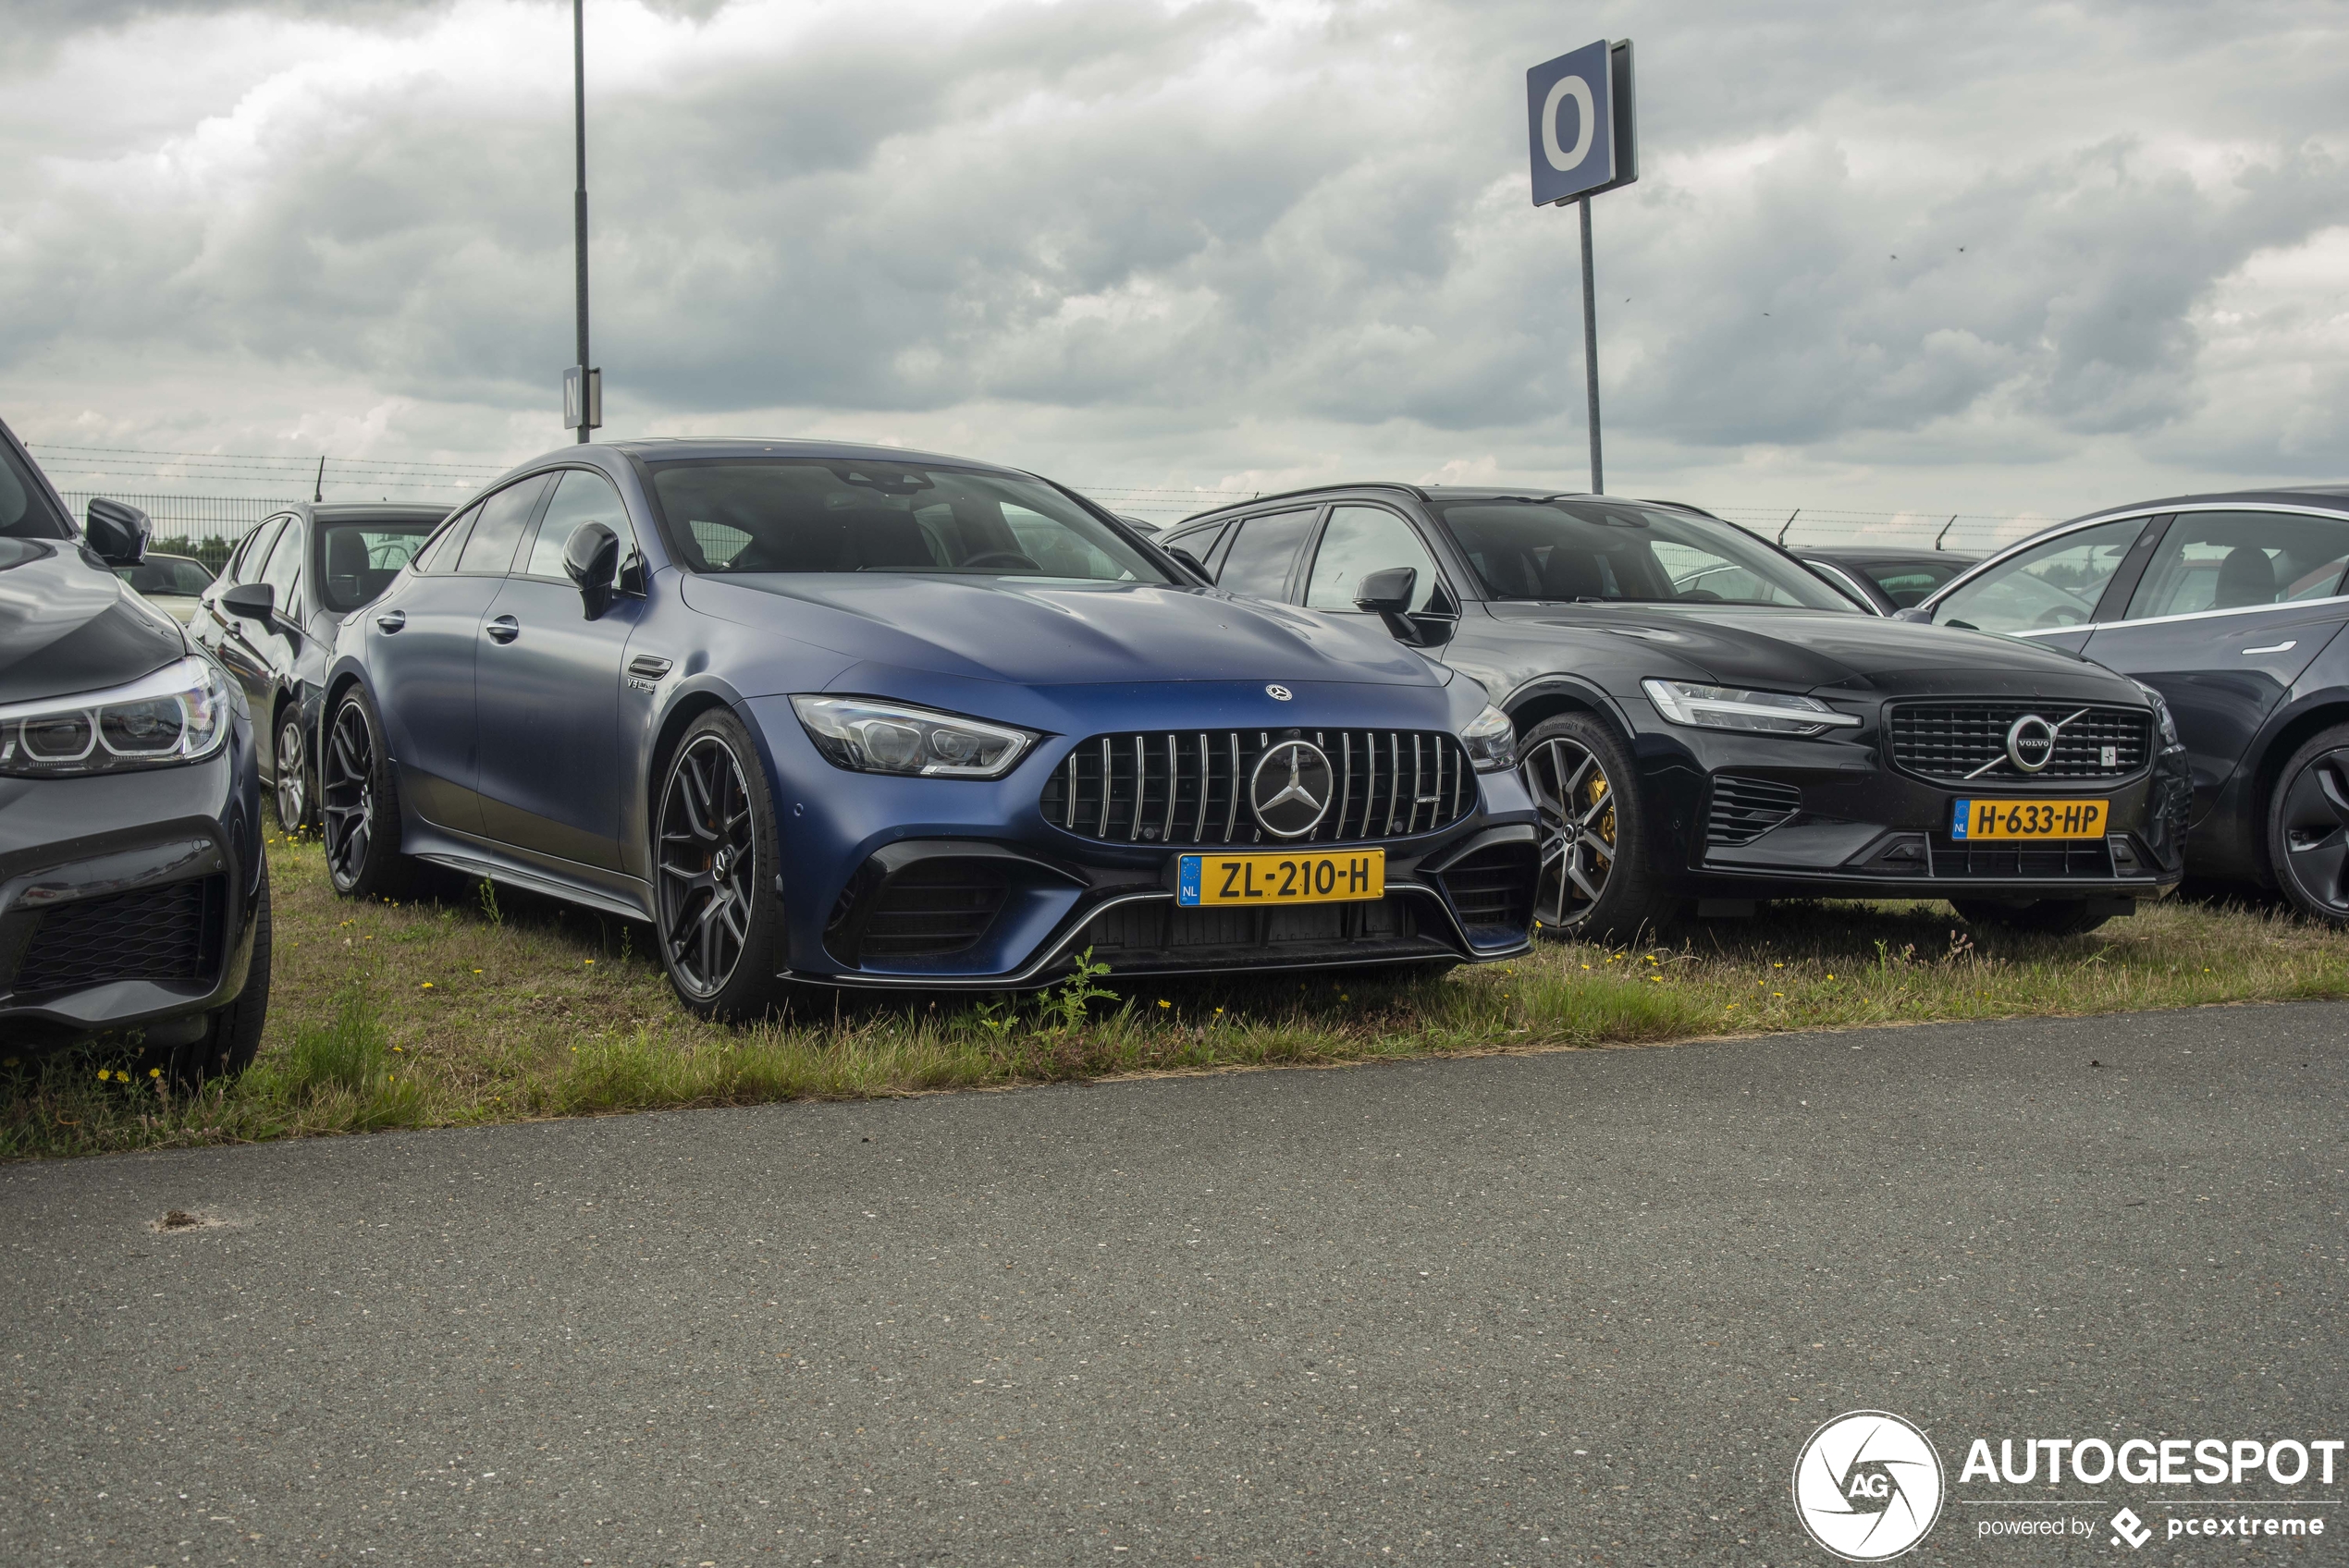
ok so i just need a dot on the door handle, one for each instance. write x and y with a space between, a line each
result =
505 629
392 620
2275 647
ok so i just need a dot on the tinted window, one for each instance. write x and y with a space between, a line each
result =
1262 554
1199 542
25 511
282 571
2055 585
580 496
1361 540
1617 551
498 531
1908 583
440 553
362 557
2237 561
173 575
838 515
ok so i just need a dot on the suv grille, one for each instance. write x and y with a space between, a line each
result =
1948 741
1189 786
159 933
1744 809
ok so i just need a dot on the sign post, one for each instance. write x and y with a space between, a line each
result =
1581 139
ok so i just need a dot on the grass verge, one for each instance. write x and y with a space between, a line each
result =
469 1006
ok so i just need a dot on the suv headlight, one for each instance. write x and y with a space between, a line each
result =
178 714
1491 741
865 735
1756 713
2162 715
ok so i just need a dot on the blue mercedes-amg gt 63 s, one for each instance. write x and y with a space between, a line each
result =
864 716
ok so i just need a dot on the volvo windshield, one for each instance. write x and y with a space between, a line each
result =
1589 550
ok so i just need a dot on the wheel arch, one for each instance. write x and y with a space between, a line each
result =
689 706
2321 713
1548 697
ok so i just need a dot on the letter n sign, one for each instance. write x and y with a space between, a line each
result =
1579 132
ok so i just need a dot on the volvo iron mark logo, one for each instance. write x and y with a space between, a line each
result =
1290 789
2031 743
1867 1486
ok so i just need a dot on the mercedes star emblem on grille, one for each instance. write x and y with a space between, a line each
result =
1278 693
1290 791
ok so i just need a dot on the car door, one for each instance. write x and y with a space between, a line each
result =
549 682
1259 557
2050 593
259 650
421 652
1358 539
214 629
2231 606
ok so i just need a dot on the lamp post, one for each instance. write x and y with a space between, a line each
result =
582 385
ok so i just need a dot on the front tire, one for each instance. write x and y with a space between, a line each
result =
2309 827
2046 917
1595 881
294 781
715 866
358 802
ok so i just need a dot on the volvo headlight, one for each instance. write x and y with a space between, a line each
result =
178 714
865 735
1491 741
1756 713
2162 715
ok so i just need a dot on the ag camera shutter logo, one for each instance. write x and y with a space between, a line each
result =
1867 1486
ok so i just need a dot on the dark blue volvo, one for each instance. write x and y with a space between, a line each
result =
864 716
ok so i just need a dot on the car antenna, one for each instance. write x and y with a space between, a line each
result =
318 488
1789 523
1945 531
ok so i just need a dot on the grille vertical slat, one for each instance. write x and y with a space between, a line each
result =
1380 793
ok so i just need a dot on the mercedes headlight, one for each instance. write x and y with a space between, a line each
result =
1491 741
868 736
178 714
2162 715
1756 713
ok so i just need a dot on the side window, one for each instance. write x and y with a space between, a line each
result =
1361 540
1199 542
2238 560
497 533
2042 590
580 496
283 572
1257 563
245 565
440 554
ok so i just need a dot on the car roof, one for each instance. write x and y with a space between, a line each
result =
669 449
1444 493
2331 498
374 511
1894 553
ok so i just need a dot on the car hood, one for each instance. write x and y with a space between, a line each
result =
1806 651
1036 633
67 626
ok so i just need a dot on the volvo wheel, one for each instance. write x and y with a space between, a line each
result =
294 783
1594 884
715 864
2309 827
358 802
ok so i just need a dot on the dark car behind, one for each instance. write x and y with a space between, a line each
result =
1885 581
134 893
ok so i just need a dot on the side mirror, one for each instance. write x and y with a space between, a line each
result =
591 560
1387 594
1189 562
254 601
1914 615
116 531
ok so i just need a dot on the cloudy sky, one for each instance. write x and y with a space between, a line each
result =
2000 257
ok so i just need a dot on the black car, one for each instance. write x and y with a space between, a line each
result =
133 894
271 616
1703 720
2231 606
1885 581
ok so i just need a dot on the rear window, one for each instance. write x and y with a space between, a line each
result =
175 576
359 559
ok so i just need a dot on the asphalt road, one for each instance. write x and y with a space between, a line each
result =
1573 1307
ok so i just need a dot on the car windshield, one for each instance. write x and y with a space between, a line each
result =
1907 582
25 509
1598 551
173 575
362 557
731 515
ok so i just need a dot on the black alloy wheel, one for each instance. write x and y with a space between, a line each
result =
714 857
293 787
1594 883
2309 827
359 803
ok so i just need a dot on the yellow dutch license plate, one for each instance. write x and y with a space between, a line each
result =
1343 877
1974 820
